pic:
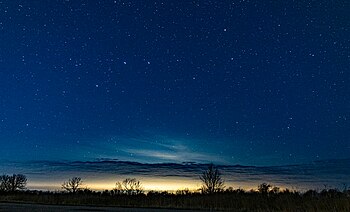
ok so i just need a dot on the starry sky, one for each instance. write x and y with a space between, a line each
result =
230 82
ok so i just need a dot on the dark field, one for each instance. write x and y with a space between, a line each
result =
229 200
57 208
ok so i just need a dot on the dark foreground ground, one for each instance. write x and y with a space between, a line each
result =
230 200
19 207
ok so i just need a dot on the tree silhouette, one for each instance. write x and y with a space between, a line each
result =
4 182
129 186
13 183
72 185
212 181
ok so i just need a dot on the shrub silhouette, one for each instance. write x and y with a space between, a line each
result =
185 191
212 181
73 185
264 188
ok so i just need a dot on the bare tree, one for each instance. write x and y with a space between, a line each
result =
212 181
73 185
4 182
129 186
13 183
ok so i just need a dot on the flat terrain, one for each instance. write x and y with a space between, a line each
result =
58 208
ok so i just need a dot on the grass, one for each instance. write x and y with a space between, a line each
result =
229 200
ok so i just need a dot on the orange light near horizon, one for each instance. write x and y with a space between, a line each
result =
148 184
170 184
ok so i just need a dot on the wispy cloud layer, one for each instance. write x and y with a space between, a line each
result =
333 173
155 149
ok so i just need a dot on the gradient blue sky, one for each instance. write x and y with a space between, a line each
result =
230 82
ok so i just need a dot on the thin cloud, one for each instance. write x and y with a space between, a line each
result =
334 173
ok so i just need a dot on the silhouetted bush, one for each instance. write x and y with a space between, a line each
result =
185 191
264 188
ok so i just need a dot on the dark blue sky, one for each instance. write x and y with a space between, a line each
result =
249 82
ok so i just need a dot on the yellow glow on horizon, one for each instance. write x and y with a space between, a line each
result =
148 184
170 184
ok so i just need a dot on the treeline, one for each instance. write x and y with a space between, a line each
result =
211 196
226 200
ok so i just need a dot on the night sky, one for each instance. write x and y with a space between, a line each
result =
229 82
